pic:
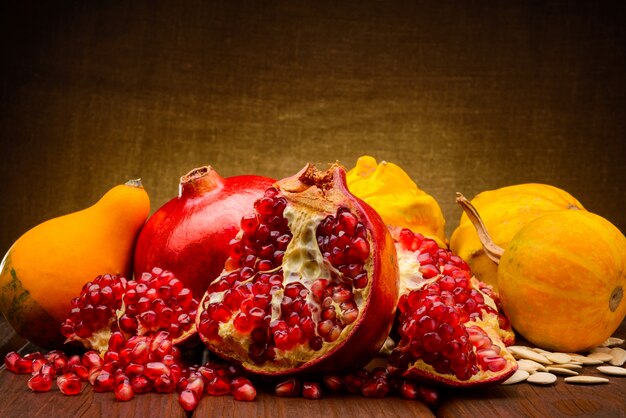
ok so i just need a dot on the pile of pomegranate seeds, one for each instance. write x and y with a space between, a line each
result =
152 364
138 365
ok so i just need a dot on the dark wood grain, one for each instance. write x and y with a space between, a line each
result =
268 405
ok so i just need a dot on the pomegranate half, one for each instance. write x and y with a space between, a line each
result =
311 283
189 235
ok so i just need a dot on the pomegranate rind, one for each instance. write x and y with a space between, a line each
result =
189 234
317 195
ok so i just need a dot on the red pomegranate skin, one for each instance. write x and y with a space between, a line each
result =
189 235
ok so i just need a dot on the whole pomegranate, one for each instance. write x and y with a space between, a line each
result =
311 282
450 326
189 235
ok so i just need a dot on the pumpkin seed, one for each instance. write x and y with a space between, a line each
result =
613 341
519 376
560 358
531 366
604 357
600 350
527 353
562 371
586 380
541 378
612 370
619 356
570 366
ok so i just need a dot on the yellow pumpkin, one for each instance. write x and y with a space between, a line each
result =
562 280
504 211
398 200
48 265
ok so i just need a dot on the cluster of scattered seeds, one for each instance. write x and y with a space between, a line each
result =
541 367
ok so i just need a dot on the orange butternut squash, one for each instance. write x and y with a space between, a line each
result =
48 265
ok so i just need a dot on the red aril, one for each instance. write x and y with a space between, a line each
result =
69 384
243 389
189 235
124 391
311 282
288 388
158 301
40 382
311 390
92 316
450 328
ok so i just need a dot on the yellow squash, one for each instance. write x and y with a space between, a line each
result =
504 211
398 200
561 278
48 265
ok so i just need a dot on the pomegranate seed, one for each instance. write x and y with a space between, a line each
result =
23 365
104 382
334 383
69 384
164 384
40 382
140 384
311 390
92 359
409 390
124 391
428 395
188 400
218 386
10 360
288 388
155 369
354 382
243 390
195 384
375 388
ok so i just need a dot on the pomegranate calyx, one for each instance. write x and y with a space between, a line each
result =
492 250
200 180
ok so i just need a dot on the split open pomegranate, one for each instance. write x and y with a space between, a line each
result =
451 329
92 317
156 301
311 282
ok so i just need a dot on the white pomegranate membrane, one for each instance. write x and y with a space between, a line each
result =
293 284
449 328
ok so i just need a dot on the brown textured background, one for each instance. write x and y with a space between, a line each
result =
465 96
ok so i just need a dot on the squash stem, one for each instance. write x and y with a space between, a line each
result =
492 250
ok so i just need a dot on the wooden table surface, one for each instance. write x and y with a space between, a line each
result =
465 96
519 400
